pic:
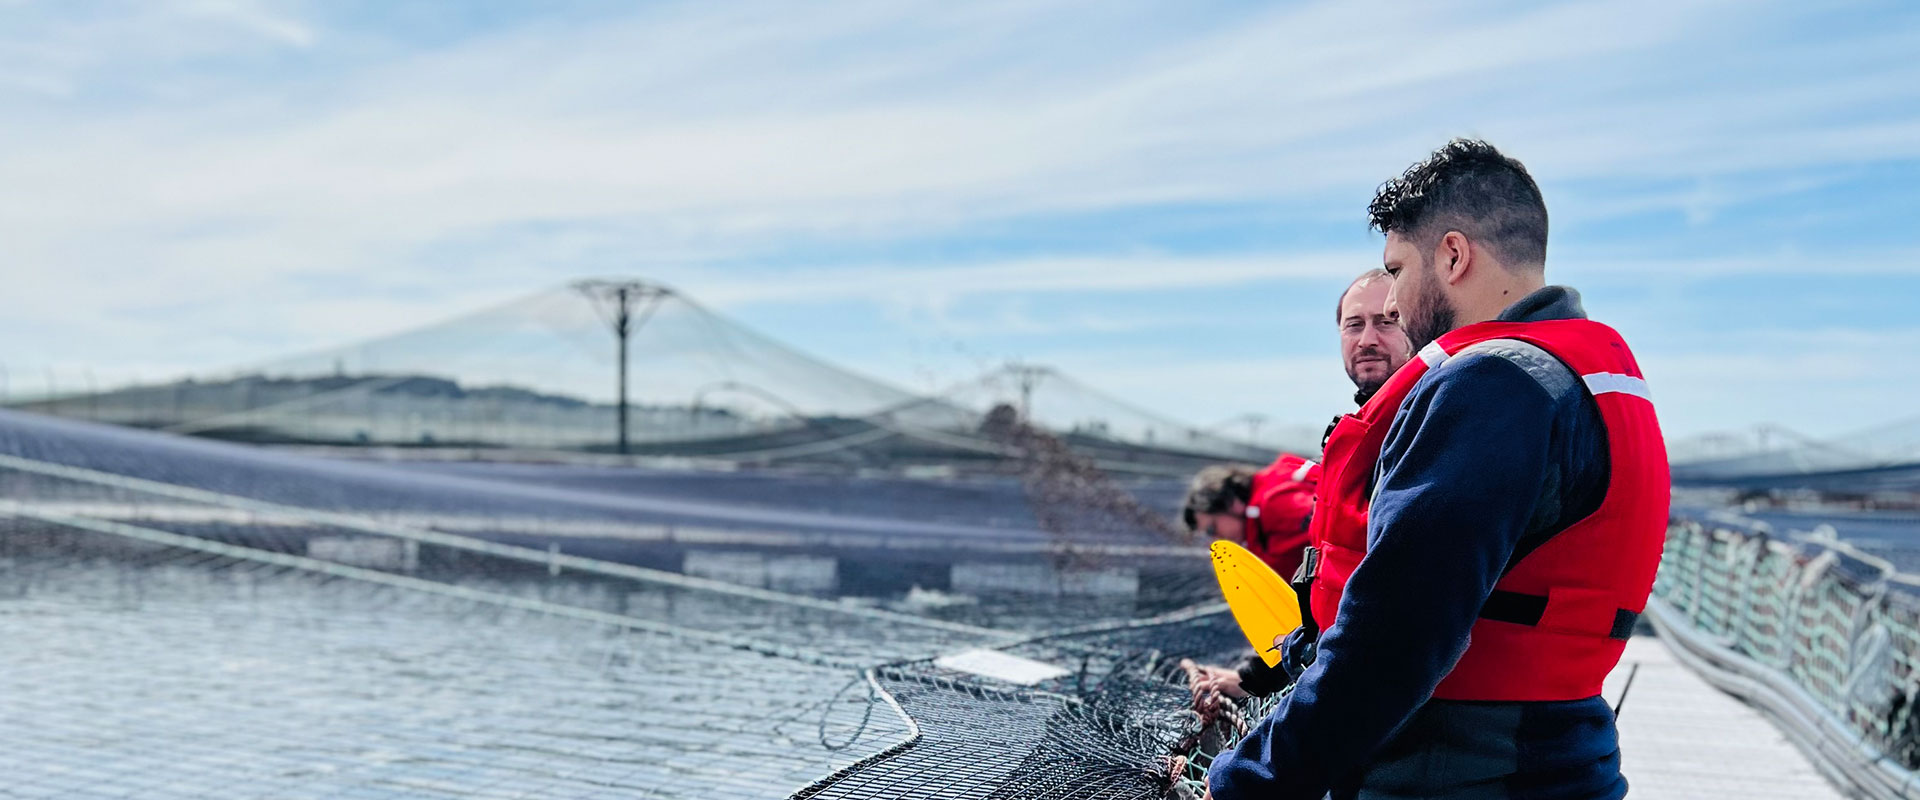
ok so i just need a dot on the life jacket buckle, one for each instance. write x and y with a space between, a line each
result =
1309 568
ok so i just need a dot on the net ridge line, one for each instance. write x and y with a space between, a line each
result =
896 670
470 544
336 570
532 524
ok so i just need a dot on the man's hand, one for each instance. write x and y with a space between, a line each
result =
1209 684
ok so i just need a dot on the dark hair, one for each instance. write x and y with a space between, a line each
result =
1365 277
1215 488
1467 186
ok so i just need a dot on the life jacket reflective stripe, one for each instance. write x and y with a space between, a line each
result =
1557 621
1277 512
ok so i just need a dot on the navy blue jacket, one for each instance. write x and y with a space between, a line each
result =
1491 454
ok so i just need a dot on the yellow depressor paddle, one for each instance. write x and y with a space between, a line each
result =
1262 602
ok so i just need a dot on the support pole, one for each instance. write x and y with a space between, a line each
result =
615 302
623 329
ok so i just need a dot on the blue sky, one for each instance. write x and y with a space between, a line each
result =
1161 199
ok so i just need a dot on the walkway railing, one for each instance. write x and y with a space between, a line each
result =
1820 635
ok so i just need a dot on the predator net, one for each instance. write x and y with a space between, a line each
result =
1878 467
543 373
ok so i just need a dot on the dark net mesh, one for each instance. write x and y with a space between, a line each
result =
1106 729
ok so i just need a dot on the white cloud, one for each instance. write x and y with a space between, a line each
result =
215 219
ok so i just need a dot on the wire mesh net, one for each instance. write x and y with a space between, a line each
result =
1103 728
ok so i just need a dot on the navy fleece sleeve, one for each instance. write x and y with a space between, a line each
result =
1460 474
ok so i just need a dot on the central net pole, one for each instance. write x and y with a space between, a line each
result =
623 330
615 302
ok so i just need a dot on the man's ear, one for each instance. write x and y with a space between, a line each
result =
1454 257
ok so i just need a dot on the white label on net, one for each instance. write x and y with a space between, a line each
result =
1000 666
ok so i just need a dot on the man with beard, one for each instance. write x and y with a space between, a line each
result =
1488 526
1372 343
1267 510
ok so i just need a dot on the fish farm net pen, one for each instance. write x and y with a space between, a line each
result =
164 652
195 621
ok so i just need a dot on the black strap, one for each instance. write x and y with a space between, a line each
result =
1514 607
1520 608
1309 566
1624 622
1302 584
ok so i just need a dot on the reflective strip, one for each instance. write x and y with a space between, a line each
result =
1301 473
1603 382
1253 512
1552 375
1433 355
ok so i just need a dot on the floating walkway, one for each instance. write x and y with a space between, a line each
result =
1682 738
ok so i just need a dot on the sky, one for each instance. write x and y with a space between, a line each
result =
1162 200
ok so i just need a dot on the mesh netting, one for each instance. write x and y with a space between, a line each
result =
1881 463
1105 729
194 619
162 647
542 373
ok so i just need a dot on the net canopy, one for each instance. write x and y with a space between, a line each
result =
543 372
1081 414
1880 460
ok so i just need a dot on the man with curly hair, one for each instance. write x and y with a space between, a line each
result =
1488 525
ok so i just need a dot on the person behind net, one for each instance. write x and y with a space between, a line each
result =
1488 525
1267 510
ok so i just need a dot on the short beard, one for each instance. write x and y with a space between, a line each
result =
1365 388
1433 316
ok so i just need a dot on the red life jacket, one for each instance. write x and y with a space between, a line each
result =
1278 511
1557 622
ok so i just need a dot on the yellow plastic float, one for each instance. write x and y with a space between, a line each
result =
1262 602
